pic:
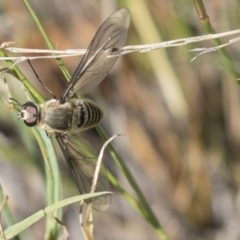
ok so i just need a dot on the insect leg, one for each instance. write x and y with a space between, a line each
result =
8 103
38 78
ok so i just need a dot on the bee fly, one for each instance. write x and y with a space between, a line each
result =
71 113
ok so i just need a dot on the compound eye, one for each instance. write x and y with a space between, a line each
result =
32 110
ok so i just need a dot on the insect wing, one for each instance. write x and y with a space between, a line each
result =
95 64
81 159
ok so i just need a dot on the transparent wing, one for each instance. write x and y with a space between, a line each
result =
95 65
81 159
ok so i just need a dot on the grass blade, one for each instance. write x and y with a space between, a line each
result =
26 223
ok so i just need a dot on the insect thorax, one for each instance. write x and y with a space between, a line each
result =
71 115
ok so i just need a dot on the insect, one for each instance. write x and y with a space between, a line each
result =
70 113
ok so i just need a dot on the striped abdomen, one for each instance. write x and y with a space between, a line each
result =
87 114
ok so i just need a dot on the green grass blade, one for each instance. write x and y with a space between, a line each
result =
226 60
7 213
53 187
26 223
47 39
129 197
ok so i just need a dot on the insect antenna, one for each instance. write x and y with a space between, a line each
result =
38 78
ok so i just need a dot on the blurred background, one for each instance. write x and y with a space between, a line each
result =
181 118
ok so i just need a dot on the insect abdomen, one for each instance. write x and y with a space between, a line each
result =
88 114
